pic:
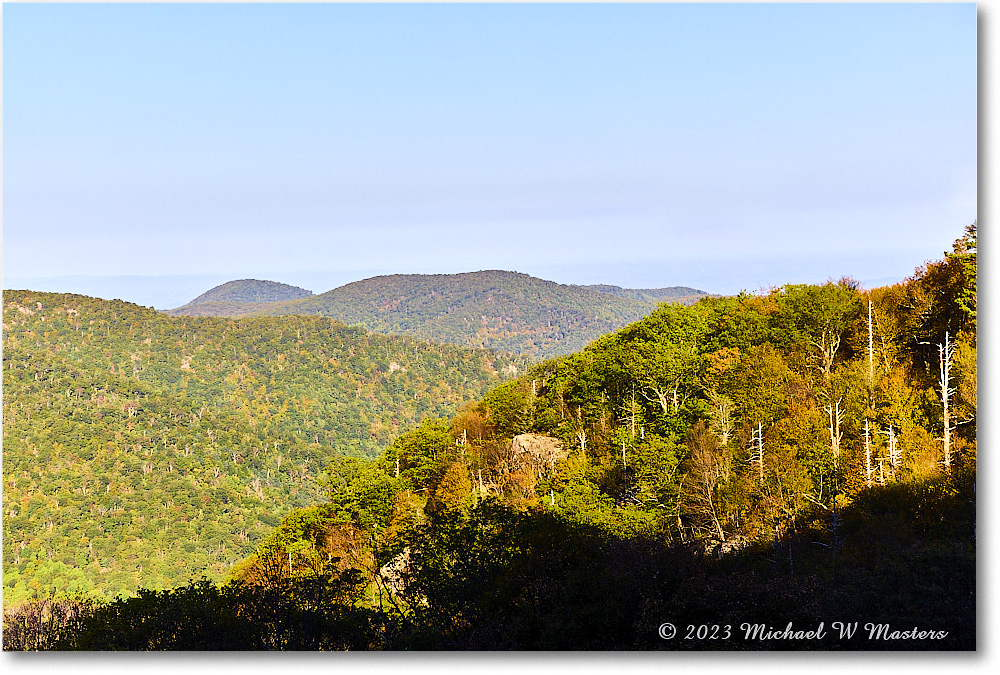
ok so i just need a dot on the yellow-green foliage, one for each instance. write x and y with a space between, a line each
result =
144 450
762 378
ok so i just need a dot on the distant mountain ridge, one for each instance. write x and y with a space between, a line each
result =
495 309
670 294
251 290
240 298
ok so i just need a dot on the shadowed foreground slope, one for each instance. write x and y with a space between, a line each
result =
502 579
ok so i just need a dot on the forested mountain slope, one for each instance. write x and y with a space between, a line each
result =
797 455
803 455
143 450
240 298
679 294
251 290
505 311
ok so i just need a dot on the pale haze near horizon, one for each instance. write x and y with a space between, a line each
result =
151 152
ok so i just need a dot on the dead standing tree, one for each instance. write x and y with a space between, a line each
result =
895 456
946 352
836 436
720 417
706 468
827 345
871 351
581 431
833 413
757 450
631 412
666 397
868 456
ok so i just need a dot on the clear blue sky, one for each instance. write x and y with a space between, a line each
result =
643 145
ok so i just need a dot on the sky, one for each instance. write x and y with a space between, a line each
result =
152 151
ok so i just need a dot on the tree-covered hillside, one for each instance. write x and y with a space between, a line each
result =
240 298
802 455
251 290
142 450
799 456
679 294
505 311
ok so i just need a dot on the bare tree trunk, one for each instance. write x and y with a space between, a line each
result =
945 353
894 454
891 456
871 350
868 457
757 450
760 451
721 422
631 413
833 411
581 434
715 515
828 345
661 398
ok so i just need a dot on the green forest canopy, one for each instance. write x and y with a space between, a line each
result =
806 451
811 415
143 450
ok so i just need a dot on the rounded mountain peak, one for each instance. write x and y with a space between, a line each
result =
251 290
